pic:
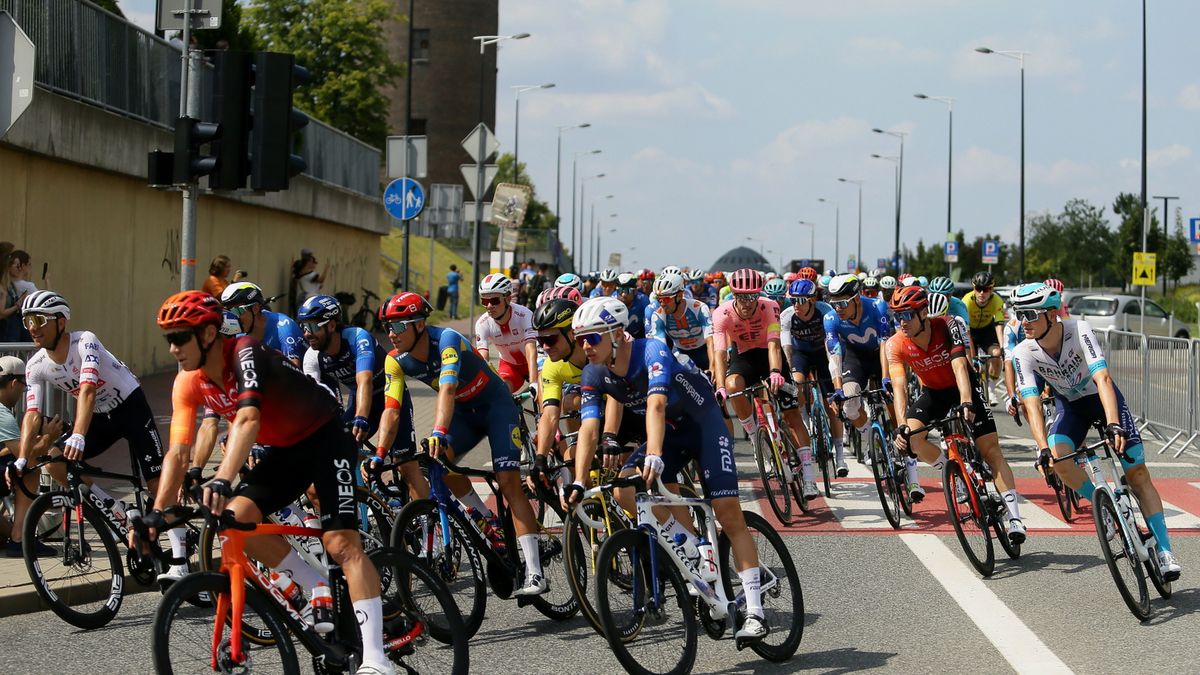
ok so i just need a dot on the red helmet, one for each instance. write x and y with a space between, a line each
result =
1055 284
746 280
405 305
646 275
807 273
903 277
560 293
908 298
190 309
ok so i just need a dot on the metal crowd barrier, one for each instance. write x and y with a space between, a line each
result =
58 402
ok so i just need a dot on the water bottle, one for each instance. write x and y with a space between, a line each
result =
290 589
313 544
289 516
708 560
322 609
132 513
686 549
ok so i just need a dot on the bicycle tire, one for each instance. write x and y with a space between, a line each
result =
789 455
886 482
627 635
460 566
823 447
900 464
559 603
175 617
439 612
968 515
999 512
581 549
1123 558
768 473
74 602
1062 495
783 567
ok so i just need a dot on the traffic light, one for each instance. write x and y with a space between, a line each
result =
190 135
231 106
275 121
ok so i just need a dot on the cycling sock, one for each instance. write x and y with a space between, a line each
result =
1158 525
750 425
178 542
1011 503
370 625
1087 489
940 461
910 467
751 587
806 468
300 572
472 500
839 449
533 559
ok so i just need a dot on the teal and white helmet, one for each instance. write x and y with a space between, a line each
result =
1035 296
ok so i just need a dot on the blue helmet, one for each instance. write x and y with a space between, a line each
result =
1035 296
775 288
319 308
801 288
941 286
922 281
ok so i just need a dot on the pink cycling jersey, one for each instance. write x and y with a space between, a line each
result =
752 333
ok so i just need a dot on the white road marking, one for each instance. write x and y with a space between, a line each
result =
751 497
1019 645
856 506
1035 517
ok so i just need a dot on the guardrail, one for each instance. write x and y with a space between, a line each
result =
91 55
58 402
1160 378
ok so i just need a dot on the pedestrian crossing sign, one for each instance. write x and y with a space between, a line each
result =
1144 269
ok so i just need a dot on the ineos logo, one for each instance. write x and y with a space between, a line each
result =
246 363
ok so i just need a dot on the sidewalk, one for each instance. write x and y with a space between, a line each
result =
17 594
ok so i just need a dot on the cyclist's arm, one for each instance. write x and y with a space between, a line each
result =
547 424
182 435
83 409
1108 396
206 441
1031 398
1010 379
999 328
585 449
481 340
775 355
364 381
957 346
531 359
719 343
656 423
833 347
29 426
708 345
242 433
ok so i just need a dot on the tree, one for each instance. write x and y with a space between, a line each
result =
341 43
231 35
110 5
1129 234
1075 246
1177 260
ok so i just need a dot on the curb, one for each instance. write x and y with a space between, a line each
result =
24 599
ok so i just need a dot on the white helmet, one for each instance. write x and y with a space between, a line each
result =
939 304
875 272
671 269
495 284
912 281
600 315
769 276
887 283
569 279
46 302
668 283
608 276
229 324
862 275
844 285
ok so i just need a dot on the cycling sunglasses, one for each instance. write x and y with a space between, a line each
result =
179 338
841 304
488 302
311 327
1029 315
399 327
591 339
801 300
548 340
35 321
904 317
745 298
240 310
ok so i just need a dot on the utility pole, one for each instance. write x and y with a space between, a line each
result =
189 104
408 75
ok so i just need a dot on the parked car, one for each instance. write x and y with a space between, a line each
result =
1123 312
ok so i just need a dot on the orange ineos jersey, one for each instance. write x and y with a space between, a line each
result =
932 365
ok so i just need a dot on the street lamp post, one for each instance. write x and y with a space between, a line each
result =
837 230
760 245
582 236
1020 57
558 177
949 159
1166 217
859 182
517 90
574 181
896 162
812 238
899 191
610 231
596 232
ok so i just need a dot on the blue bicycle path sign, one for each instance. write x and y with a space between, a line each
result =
404 199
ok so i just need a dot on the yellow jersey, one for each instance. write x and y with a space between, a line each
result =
986 315
555 374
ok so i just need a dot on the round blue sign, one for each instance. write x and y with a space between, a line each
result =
404 199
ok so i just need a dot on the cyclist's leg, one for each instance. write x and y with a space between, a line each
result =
405 445
513 374
856 372
1138 476
467 428
504 436
1066 433
738 376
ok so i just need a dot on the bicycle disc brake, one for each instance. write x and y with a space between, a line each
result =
225 663
140 568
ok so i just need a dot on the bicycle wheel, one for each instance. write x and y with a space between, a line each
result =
855 439
181 640
559 603
823 449
999 515
415 603
772 477
418 530
970 523
782 597
581 550
1120 554
83 583
789 456
887 484
1153 570
647 634
1062 495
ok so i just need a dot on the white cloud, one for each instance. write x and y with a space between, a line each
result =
981 165
654 160
690 101
1161 157
1050 57
856 8
1189 97
873 51
799 144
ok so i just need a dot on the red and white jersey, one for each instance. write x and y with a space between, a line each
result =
508 339
88 362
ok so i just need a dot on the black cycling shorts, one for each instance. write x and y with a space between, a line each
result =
984 338
934 404
133 421
327 459
861 366
813 365
754 365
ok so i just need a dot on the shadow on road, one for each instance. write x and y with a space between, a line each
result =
832 661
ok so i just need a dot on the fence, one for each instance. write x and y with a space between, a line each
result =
89 54
1159 377
58 402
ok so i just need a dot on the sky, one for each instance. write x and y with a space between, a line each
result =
721 122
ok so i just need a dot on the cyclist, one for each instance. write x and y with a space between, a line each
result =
854 332
985 312
686 324
700 289
683 422
802 334
1058 286
265 397
508 327
871 287
590 282
936 351
887 284
807 273
608 284
473 403
1068 357
273 329
560 374
110 406
776 289
646 282
750 324
945 287
939 305
569 279
637 304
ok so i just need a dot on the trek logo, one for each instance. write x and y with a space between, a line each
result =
246 365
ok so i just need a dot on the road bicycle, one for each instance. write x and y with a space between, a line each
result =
467 558
980 363
1129 546
817 422
423 630
975 510
88 545
642 590
776 454
367 317
888 464
1067 499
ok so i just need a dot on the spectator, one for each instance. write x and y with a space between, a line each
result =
12 388
452 279
528 269
10 309
19 271
305 278
539 282
218 276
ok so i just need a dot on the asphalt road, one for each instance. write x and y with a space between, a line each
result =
874 598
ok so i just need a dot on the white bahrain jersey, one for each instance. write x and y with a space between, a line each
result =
87 362
508 339
1069 372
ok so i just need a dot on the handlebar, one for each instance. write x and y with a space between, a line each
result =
936 424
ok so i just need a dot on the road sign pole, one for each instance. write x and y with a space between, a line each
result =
480 188
191 192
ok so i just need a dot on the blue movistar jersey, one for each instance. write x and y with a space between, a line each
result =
806 335
688 331
959 308
284 334
872 328
359 352
598 292
653 369
452 361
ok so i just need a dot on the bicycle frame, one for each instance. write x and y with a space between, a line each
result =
1121 495
954 436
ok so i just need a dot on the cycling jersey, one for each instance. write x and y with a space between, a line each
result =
1069 372
507 339
707 295
291 406
985 316
1014 334
88 362
724 295
599 292
637 316
872 328
958 308
932 364
755 332
806 335
359 352
688 331
558 376
284 334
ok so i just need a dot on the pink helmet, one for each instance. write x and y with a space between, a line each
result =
746 280
1055 284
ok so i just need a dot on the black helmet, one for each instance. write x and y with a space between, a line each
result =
983 280
241 293
554 314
